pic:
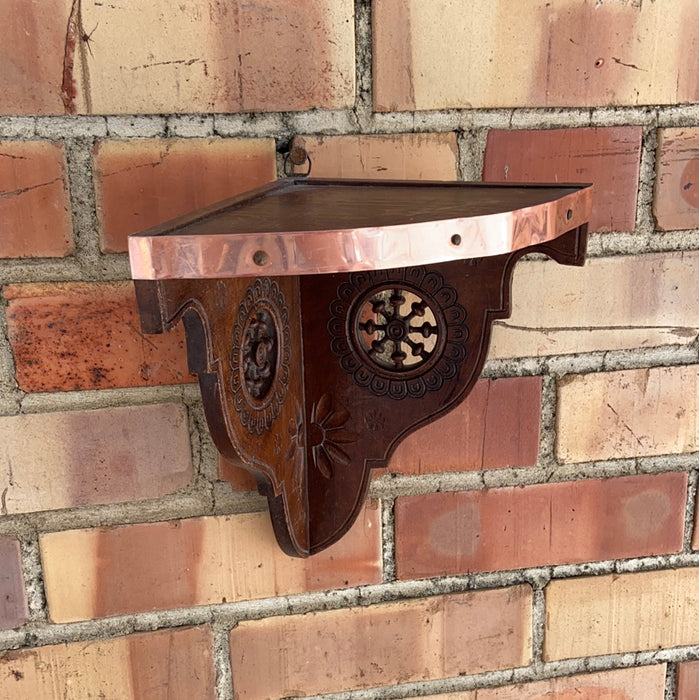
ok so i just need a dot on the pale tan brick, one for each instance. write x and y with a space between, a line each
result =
630 413
201 561
621 613
537 53
210 56
609 304
383 644
642 683
174 664
399 156
676 200
76 458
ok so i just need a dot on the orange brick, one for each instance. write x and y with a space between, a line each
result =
143 183
90 457
542 54
13 601
34 200
648 301
31 56
400 156
215 57
512 528
642 683
630 413
676 201
173 664
496 426
607 157
400 642
87 336
621 613
201 561
688 681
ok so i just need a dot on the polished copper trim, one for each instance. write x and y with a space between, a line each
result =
178 251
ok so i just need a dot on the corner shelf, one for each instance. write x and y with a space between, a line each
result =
328 319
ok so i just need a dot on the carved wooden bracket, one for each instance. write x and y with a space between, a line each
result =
327 320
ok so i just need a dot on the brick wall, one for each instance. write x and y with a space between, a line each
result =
539 541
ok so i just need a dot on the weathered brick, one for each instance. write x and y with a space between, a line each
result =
630 413
398 156
607 157
34 200
13 600
139 184
695 539
76 336
543 54
240 479
621 613
31 55
688 681
512 528
173 663
90 457
383 644
676 200
214 57
201 561
496 426
648 301
642 683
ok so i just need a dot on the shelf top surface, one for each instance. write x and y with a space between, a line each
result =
308 226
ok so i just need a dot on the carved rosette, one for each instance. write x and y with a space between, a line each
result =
399 333
260 356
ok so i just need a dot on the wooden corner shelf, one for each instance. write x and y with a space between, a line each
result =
328 319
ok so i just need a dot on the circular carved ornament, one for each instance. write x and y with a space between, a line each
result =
399 333
260 356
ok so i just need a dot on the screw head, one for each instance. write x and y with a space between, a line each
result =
260 258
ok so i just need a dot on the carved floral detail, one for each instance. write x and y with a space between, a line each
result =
260 355
325 434
399 333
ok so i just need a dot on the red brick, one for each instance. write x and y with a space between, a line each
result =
172 663
31 56
688 681
396 156
90 457
608 157
640 683
620 613
676 201
496 426
78 336
629 413
201 561
512 528
402 642
34 200
539 54
13 601
143 183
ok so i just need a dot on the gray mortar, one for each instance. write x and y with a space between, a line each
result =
388 539
136 126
